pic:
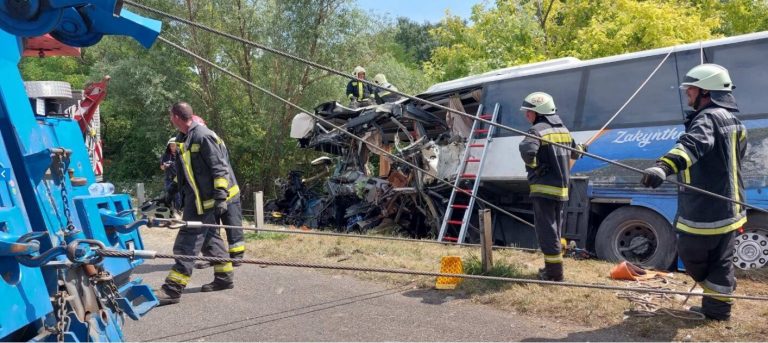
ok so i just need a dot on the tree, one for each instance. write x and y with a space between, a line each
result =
524 31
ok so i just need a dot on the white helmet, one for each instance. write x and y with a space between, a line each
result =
171 141
711 77
380 79
539 102
358 70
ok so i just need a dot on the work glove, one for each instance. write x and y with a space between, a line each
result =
353 103
653 177
220 208
576 155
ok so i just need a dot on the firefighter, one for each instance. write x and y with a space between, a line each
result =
709 157
359 93
168 166
232 217
206 183
383 93
548 168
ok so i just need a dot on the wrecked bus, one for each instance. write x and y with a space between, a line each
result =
609 212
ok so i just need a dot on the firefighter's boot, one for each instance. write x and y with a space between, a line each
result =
721 311
216 286
551 272
167 296
223 278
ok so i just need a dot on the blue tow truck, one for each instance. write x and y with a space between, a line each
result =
54 286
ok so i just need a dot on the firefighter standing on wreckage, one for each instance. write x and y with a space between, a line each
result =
548 168
207 183
708 156
359 93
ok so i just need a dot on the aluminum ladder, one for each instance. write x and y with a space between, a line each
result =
468 205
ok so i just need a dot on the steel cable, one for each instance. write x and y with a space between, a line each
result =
342 130
335 234
427 102
147 254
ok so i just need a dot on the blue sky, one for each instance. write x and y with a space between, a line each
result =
419 10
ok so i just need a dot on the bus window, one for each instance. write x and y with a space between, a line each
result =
610 85
563 86
748 73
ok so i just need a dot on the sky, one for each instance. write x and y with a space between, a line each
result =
419 10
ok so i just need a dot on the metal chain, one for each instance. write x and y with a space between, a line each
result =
131 254
411 97
62 320
332 234
106 286
64 194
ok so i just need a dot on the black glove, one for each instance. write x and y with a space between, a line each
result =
654 176
220 208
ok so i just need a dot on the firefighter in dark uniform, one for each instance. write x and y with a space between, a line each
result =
359 93
232 217
708 156
548 168
205 179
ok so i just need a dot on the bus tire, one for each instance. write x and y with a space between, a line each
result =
638 235
751 245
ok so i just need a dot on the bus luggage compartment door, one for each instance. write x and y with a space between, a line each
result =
576 227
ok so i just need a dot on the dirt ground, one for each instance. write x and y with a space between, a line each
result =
600 310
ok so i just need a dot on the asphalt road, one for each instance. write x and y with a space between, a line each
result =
290 304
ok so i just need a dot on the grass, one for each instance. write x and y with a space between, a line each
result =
268 236
597 310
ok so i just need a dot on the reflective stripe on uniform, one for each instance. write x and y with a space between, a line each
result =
220 183
553 258
680 152
670 164
186 158
177 277
237 247
232 192
208 204
235 190
223 267
716 291
560 138
533 163
550 190
735 173
359 90
706 230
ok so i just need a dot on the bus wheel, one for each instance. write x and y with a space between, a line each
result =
751 250
638 235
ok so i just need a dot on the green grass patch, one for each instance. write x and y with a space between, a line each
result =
262 236
474 266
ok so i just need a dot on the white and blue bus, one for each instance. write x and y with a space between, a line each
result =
610 213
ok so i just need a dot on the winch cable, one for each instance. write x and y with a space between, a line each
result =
149 254
342 130
615 115
433 104
321 233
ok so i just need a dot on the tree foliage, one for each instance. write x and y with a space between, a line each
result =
336 33
515 32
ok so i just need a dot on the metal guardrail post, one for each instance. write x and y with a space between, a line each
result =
258 209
